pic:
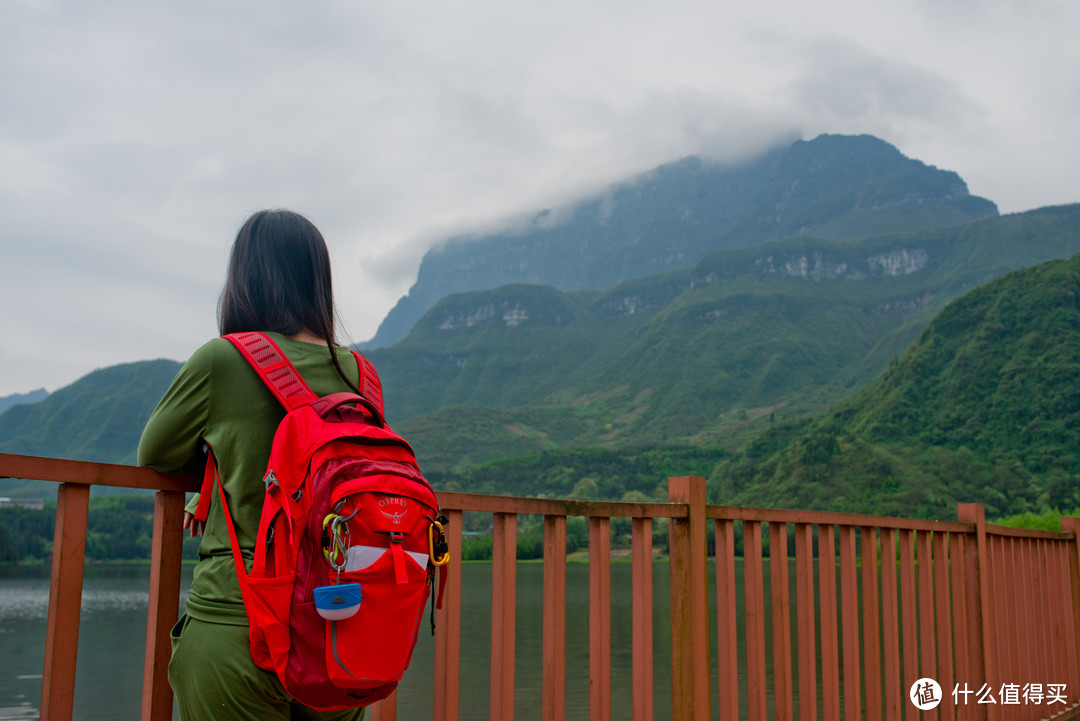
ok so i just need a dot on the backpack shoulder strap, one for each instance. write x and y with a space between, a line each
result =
276 371
370 387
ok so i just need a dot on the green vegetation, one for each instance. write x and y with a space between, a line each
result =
98 418
1046 521
984 407
706 356
586 474
118 527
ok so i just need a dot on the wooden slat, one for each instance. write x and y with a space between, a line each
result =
890 617
1049 650
727 641
849 601
783 703
448 628
943 614
1000 571
385 710
1073 619
1055 659
65 600
754 589
60 470
827 518
804 604
1069 601
1020 588
690 688
1035 603
830 634
909 622
727 628
642 619
927 647
164 606
871 623
982 621
599 619
1026 608
557 507
1061 622
553 696
962 644
503 599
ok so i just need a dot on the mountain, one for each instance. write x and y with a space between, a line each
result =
19 398
100 417
984 407
695 358
837 187
778 329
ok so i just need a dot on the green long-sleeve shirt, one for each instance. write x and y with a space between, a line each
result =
218 398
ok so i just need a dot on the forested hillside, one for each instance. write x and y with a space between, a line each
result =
747 336
984 407
98 418
22 398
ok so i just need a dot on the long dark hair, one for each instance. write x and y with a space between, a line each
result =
279 280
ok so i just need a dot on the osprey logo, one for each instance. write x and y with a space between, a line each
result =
393 508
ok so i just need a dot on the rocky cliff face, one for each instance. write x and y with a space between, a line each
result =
830 187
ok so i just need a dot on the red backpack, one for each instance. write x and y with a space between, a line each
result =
348 541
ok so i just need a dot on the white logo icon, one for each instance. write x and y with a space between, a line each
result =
394 509
925 694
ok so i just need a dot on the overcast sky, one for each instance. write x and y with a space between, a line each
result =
135 137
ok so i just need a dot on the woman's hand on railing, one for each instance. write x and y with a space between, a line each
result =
193 527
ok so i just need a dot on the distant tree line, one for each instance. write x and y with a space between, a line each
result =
118 528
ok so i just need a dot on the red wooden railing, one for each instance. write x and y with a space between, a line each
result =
881 601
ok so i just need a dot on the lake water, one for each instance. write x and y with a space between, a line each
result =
113 630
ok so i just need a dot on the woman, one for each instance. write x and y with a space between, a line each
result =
278 282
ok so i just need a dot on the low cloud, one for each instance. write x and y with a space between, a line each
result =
135 138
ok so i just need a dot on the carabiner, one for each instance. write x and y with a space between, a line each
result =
335 543
444 549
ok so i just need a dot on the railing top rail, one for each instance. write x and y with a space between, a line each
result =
1029 533
87 473
558 507
59 470
776 515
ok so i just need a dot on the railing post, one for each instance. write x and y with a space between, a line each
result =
386 709
553 654
689 603
981 619
642 615
448 628
599 619
503 602
65 600
164 606
1073 524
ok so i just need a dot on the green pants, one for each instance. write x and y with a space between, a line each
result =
215 679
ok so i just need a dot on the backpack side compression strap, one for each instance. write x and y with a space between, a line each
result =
274 368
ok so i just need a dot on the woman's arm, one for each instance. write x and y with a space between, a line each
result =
171 440
172 437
